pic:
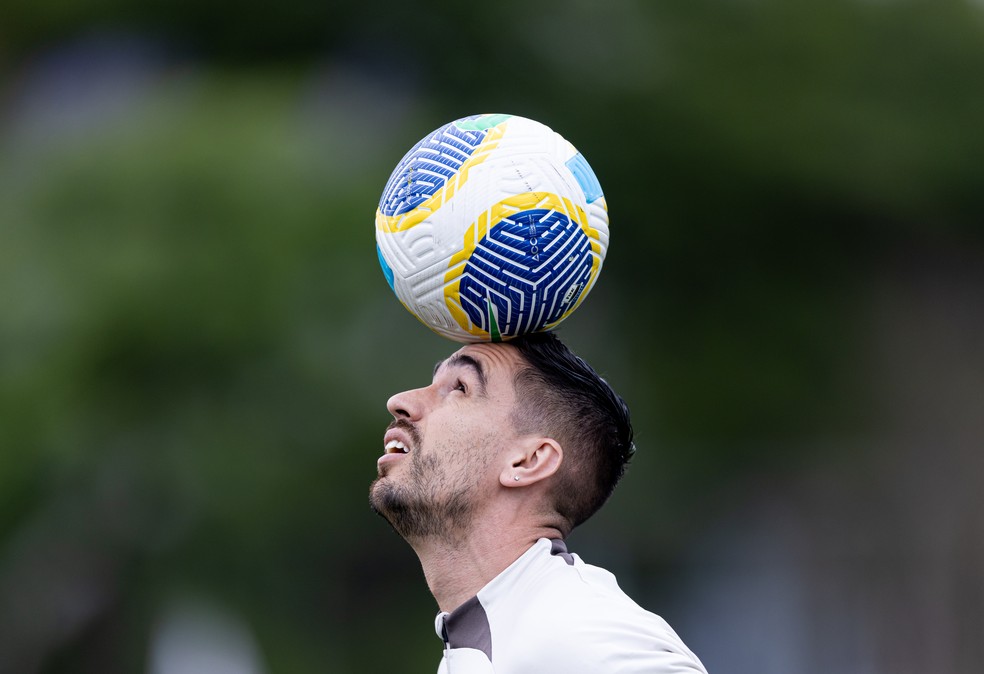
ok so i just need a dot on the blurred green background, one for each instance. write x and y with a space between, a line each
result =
196 342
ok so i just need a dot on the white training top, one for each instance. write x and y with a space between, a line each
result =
550 612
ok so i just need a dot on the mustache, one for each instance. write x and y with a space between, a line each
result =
409 428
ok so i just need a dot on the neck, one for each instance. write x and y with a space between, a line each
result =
456 571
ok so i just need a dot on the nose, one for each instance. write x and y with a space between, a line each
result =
406 405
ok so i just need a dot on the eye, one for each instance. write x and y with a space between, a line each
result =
460 386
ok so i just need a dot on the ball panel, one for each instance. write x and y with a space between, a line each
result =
387 272
529 288
429 175
532 266
585 177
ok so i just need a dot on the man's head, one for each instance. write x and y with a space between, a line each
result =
527 413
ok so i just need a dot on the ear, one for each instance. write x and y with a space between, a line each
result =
535 459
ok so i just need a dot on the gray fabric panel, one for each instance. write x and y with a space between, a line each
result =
559 548
468 627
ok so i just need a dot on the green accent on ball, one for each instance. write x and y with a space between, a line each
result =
493 325
481 123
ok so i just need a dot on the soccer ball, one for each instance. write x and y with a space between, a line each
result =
491 227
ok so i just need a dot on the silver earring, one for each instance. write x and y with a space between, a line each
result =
516 477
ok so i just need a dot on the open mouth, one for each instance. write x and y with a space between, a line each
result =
396 447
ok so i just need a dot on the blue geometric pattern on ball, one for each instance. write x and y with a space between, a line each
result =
427 166
532 267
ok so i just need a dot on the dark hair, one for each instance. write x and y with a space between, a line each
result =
559 394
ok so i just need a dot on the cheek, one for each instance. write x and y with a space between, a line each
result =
462 450
486 446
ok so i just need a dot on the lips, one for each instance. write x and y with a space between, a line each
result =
399 440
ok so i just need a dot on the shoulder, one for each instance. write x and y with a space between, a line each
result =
582 642
609 632
616 638
576 618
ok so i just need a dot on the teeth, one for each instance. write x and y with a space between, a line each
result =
396 445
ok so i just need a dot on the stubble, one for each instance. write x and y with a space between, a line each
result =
426 506
429 501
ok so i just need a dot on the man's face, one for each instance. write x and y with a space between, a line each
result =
441 452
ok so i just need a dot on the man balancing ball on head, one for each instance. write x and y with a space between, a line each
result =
485 473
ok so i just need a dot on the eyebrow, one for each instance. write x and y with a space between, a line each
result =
459 360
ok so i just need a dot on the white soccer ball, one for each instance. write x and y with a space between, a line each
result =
491 227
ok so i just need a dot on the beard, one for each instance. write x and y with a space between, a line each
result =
424 504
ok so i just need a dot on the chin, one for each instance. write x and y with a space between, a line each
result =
378 485
384 497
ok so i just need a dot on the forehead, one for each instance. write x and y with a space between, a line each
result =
498 362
